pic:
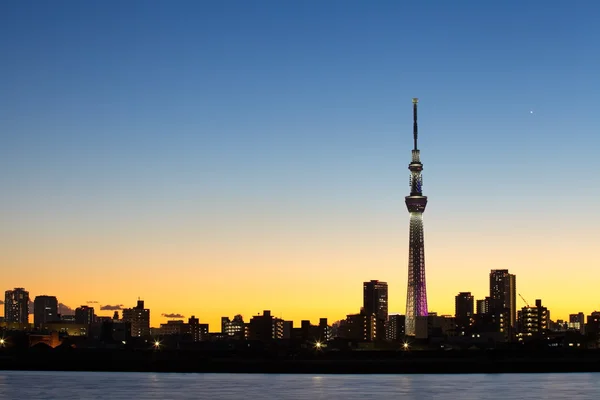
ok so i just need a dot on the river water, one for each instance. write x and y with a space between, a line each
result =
118 385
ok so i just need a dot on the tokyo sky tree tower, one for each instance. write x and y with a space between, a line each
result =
416 299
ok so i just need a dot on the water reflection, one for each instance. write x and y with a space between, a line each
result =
89 385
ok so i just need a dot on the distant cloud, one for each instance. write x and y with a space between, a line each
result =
91 302
172 315
64 309
112 308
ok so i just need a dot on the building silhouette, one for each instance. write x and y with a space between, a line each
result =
483 306
288 329
193 330
112 330
592 326
16 306
139 318
173 327
375 301
463 311
308 333
45 310
197 331
503 300
577 322
323 331
265 328
434 326
85 315
416 298
375 298
533 322
394 329
233 328
360 327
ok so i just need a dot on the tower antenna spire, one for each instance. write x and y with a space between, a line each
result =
415 126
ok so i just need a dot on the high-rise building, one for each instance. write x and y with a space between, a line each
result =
139 318
45 310
16 306
85 315
375 302
503 295
533 321
463 306
375 299
416 298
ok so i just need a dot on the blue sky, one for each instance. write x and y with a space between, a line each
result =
151 114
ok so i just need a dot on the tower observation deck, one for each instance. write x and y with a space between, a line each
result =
416 298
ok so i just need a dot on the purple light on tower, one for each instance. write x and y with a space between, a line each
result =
416 298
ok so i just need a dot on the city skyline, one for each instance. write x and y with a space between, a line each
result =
187 154
500 302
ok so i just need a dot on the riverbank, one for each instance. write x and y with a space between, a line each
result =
349 363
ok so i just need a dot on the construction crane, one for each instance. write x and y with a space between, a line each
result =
525 301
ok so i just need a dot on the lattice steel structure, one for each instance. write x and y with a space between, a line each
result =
416 299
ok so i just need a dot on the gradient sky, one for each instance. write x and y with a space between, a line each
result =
229 157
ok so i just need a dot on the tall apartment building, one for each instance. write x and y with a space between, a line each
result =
503 299
16 306
139 318
375 302
463 310
533 321
375 298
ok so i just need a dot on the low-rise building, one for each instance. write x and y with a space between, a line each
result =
395 326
